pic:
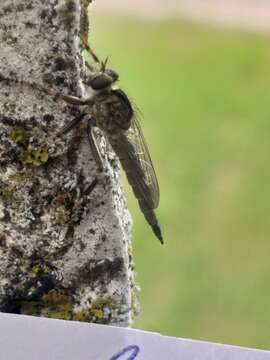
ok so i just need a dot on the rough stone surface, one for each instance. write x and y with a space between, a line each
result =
65 247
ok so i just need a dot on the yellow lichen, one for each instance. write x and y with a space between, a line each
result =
34 157
41 156
81 316
34 271
37 270
96 312
58 305
102 302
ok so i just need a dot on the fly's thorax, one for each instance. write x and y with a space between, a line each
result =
112 111
90 92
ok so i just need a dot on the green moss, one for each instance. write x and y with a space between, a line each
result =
34 157
6 193
30 308
19 135
24 156
55 304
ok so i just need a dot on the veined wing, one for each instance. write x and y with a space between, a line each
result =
136 161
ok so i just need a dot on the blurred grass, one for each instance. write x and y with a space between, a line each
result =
204 94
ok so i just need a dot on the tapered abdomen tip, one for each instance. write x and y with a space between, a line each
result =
157 232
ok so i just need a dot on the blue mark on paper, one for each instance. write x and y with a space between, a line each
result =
132 349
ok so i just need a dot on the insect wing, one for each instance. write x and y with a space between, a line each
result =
141 166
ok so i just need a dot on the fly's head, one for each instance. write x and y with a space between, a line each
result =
102 80
112 110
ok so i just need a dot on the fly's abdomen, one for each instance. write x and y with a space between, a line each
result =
140 178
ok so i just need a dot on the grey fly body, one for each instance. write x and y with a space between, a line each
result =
111 111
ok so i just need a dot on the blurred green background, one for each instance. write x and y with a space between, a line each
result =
204 95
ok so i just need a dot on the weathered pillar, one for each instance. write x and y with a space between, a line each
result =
65 247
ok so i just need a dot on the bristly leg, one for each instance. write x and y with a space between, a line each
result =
92 54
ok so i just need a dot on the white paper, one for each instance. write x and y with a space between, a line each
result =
30 338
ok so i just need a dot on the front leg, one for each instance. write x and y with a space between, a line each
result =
69 99
72 100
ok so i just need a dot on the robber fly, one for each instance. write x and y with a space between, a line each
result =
112 112
109 109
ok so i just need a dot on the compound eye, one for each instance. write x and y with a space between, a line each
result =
113 74
100 81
